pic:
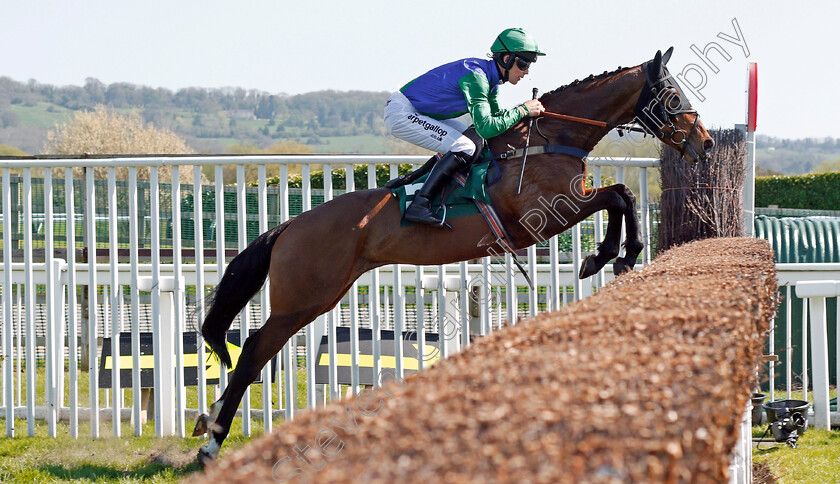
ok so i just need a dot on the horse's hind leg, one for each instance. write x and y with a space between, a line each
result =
613 203
258 349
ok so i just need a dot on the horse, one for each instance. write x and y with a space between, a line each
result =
313 259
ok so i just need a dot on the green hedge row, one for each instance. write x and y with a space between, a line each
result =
814 192
339 177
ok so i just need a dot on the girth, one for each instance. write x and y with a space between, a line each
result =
536 150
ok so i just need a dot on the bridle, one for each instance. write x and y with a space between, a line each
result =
652 106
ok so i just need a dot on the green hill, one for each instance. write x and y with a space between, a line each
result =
328 121
210 119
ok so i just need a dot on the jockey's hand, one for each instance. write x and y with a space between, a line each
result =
535 107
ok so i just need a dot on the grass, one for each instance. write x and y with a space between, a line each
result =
815 460
146 458
38 115
108 459
126 460
364 144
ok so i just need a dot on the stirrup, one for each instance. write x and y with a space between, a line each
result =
427 216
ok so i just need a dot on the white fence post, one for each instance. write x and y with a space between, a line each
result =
740 463
816 292
55 343
164 349
450 324
8 324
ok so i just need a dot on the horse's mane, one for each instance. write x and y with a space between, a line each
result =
588 80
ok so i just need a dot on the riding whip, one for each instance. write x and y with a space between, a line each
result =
525 150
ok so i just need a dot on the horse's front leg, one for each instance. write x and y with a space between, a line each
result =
608 249
633 243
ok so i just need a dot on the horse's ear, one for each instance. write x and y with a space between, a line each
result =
667 55
657 62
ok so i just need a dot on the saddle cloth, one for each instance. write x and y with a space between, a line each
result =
469 196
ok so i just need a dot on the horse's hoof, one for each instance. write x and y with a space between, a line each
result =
589 267
203 458
620 266
200 425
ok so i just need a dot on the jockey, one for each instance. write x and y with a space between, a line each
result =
423 111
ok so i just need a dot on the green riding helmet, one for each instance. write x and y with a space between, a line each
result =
518 42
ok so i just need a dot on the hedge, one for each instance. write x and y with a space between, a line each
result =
814 191
339 176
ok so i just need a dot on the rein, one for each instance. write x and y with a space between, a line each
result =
649 100
562 149
603 124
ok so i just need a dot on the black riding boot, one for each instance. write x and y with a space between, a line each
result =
420 209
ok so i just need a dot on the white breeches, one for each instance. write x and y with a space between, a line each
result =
441 136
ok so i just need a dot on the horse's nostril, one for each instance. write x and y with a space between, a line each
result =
708 144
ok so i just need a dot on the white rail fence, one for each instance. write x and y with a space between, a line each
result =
51 300
807 287
43 301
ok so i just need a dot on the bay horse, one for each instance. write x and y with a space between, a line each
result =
313 259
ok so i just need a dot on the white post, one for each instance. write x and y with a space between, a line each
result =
262 193
465 293
553 297
644 206
749 162
749 180
113 241
179 299
740 463
53 356
749 186
56 343
576 260
511 297
816 292
245 313
9 327
72 303
164 351
452 286
449 320
93 318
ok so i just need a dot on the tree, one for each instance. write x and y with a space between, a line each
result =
267 108
827 166
95 90
103 131
6 150
9 119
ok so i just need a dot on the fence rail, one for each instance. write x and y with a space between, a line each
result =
73 303
791 340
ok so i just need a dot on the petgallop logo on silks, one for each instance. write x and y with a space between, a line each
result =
427 125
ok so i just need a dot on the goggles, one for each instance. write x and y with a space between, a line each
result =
522 64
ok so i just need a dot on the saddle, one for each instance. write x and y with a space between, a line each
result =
458 198
466 194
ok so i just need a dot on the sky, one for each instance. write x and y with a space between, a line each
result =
295 47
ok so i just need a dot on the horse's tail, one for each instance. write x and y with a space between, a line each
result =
243 277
